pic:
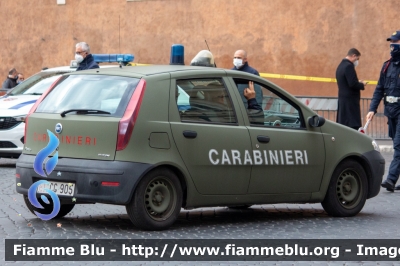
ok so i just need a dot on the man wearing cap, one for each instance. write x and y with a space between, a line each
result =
388 88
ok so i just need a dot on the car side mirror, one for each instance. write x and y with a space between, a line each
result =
316 121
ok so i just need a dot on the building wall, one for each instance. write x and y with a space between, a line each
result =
293 37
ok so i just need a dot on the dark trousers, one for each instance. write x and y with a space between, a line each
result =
394 132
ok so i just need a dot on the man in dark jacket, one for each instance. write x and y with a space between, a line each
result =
83 57
348 111
388 88
240 63
11 80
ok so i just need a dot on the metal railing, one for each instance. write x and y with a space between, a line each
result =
327 107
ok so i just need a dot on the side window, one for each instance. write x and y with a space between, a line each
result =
271 110
205 101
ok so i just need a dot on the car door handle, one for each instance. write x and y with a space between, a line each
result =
264 139
190 134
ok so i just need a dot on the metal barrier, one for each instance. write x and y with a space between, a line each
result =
327 107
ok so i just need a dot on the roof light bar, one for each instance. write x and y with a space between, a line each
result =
113 58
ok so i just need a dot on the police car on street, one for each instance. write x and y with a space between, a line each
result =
160 138
15 105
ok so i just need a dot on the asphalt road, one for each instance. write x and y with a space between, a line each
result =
378 220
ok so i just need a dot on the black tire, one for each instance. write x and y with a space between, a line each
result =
164 188
64 208
347 191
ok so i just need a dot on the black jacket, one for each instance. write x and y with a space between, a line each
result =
87 63
388 85
9 83
247 68
348 112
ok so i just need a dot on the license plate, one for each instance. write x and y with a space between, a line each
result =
60 188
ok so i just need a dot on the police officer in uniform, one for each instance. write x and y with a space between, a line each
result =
388 88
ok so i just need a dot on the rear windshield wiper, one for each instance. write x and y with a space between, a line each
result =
33 93
84 111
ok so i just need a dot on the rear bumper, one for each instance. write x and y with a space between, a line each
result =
377 169
87 176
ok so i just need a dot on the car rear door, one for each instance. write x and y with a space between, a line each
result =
209 134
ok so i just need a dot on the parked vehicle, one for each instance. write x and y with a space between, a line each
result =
159 138
15 105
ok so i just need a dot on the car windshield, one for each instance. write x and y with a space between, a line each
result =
105 94
36 84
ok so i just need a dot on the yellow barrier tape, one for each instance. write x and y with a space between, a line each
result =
137 64
304 78
280 76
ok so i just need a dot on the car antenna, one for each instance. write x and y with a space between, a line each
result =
210 51
119 38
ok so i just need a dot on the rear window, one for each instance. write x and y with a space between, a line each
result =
36 84
90 92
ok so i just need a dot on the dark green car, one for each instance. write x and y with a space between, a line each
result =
160 138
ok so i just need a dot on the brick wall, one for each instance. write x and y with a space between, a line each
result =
296 37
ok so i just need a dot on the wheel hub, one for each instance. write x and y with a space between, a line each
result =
159 198
348 188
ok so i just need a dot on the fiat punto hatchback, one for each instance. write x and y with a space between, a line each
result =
160 138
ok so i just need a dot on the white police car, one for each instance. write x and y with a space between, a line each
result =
15 105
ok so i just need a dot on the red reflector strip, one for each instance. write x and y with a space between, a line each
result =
110 184
17 176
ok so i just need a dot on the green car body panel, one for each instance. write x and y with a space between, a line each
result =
220 165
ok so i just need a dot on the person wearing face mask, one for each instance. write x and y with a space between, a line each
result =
11 80
84 57
21 78
388 89
349 91
241 64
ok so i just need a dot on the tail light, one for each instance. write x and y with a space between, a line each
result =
33 109
127 122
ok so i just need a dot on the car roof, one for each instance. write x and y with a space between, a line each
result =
156 69
71 69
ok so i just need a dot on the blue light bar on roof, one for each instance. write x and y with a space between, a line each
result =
113 58
177 55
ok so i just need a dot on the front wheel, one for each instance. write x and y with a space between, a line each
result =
347 191
157 201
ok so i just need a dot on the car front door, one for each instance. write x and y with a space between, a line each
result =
287 157
209 135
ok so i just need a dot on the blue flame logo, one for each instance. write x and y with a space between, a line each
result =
44 153
44 169
32 198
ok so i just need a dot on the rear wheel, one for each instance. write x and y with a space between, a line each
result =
347 191
157 201
64 208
